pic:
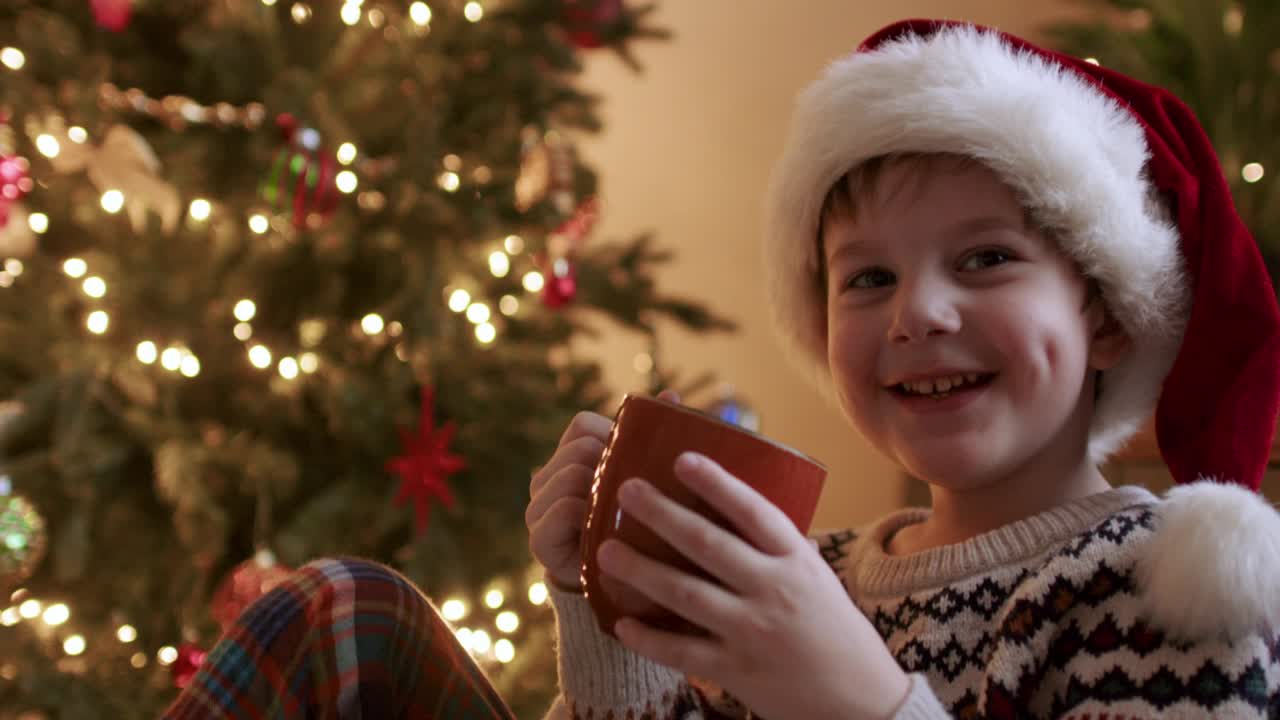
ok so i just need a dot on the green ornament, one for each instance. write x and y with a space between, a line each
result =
23 539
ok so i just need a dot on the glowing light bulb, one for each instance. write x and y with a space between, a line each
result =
190 366
459 300
147 352
98 322
508 305
48 145
420 13
532 281
56 614
171 359
346 181
288 368
301 12
12 58
94 286
486 332
514 244
38 222
77 134
200 209
112 201
1252 172
350 14
138 660
126 633
494 599
453 610
474 11
167 654
10 617
507 621
260 356
478 313
372 324
73 645
499 263
242 331
538 593
480 641
504 651
346 153
244 310
30 609
14 267
259 224
75 267
309 362
449 181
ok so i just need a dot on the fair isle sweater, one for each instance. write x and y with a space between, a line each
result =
1037 619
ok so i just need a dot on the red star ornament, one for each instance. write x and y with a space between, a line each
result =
426 463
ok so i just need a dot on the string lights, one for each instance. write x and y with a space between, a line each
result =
479 640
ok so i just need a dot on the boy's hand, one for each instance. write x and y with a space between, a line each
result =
559 496
785 638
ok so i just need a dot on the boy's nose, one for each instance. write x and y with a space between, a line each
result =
921 312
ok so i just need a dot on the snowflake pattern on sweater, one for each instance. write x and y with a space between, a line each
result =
1039 619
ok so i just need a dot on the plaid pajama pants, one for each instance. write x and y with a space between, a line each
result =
343 639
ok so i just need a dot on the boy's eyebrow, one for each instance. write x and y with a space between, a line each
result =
968 226
987 222
847 247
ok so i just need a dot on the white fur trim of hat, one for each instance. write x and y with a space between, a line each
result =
1073 155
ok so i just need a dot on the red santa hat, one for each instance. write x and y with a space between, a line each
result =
1121 172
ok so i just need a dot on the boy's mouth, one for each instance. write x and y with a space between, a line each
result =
943 387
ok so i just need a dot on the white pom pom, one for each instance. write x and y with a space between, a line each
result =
1212 570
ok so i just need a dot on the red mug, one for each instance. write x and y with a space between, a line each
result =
648 435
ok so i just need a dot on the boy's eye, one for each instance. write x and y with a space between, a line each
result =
985 258
872 278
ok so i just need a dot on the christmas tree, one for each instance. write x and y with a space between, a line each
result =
285 280
1221 58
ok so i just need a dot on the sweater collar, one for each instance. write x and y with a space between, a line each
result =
873 572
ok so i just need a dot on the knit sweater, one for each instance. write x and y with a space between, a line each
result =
1040 618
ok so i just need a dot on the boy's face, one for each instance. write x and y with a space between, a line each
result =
940 277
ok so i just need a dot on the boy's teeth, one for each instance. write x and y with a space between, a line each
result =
939 385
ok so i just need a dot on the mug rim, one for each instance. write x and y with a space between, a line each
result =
723 423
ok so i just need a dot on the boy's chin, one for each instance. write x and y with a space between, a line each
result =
951 468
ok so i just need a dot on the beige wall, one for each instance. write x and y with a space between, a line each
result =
686 152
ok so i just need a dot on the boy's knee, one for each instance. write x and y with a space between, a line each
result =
358 578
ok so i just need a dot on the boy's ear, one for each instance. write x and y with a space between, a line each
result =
1109 343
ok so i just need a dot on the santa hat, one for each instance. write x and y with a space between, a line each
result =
1123 175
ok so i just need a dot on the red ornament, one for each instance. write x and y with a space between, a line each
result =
589 22
246 582
190 658
426 463
559 272
560 285
15 183
112 15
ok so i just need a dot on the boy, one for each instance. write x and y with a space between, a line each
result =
995 259
991 257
